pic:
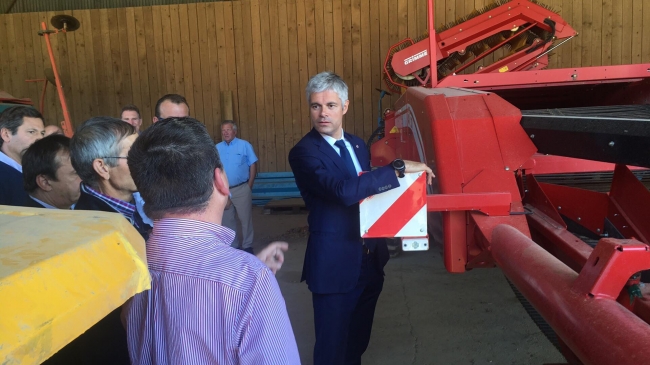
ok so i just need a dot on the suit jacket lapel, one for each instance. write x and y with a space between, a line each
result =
358 151
356 148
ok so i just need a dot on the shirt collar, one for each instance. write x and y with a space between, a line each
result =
192 228
125 208
43 203
331 140
9 161
231 142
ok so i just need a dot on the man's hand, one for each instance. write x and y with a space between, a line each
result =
273 255
412 166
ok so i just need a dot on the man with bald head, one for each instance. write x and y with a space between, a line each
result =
53 129
171 105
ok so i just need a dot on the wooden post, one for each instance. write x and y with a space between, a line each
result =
226 105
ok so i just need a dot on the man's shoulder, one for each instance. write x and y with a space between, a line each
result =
8 170
31 203
222 265
353 139
89 202
243 141
309 140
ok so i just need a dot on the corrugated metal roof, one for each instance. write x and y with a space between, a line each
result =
27 6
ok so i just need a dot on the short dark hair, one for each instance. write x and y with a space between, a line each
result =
97 137
172 163
40 159
174 98
12 118
131 107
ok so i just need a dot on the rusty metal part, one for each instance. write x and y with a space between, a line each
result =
49 75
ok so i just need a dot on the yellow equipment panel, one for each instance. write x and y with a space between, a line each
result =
60 273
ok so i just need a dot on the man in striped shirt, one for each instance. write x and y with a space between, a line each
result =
209 303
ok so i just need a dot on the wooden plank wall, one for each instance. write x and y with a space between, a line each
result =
264 51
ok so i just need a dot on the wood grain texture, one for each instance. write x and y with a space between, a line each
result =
264 52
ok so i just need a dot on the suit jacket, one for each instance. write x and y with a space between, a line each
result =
104 343
89 202
12 186
334 249
29 202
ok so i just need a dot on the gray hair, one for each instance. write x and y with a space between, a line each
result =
327 81
98 137
234 125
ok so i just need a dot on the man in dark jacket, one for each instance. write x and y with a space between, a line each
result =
50 180
343 271
98 152
20 126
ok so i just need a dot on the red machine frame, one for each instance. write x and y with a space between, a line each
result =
495 212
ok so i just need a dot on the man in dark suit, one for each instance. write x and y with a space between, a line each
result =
50 180
98 152
343 272
20 126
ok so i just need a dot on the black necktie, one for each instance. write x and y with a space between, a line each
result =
345 155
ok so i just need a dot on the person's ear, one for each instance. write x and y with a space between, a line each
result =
345 106
101 168
5 134
43 182
221 182
154 120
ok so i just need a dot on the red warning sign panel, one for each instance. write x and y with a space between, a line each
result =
400 212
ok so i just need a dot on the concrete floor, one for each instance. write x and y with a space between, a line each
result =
425 315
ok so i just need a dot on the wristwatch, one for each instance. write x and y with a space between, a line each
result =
399 166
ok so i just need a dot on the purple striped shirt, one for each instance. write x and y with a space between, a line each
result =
209 303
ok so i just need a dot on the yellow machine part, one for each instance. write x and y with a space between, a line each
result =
60 273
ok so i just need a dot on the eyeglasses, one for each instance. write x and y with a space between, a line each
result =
114 157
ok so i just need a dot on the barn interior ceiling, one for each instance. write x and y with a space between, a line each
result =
28 6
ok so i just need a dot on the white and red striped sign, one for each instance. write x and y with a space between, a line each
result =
400 212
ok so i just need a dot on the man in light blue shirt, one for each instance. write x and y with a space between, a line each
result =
240 163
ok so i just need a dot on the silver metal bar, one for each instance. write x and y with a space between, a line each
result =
554 47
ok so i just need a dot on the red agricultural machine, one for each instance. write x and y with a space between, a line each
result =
539 172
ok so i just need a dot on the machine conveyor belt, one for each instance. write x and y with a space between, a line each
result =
616 112
617 134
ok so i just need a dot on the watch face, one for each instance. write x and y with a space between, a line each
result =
398 164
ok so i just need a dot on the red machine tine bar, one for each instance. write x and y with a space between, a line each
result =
491 50
488 203
506 17
598 330
610 265
545 78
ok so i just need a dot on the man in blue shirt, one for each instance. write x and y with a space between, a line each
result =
20 126
239 161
